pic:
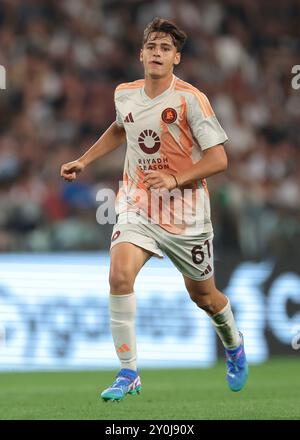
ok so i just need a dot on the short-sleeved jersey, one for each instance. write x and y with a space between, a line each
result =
167 133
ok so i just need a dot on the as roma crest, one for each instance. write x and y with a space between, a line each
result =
169 115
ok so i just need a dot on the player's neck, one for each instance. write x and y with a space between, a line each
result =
155 87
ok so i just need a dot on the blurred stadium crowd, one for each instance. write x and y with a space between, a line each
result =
63 61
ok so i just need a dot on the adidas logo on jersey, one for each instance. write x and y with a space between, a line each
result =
129 118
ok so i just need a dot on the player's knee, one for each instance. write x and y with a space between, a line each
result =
120 279
204 300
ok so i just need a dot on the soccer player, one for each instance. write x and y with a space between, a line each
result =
174 141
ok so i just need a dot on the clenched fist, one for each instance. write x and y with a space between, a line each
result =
70 170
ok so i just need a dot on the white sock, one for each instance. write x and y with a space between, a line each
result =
122 323
226 328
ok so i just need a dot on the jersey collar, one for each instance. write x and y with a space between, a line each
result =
158 98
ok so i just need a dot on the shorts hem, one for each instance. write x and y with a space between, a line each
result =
154 254
204 278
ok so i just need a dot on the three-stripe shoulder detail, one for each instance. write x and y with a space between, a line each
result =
131 85
201 97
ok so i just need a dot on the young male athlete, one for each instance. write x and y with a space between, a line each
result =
174 141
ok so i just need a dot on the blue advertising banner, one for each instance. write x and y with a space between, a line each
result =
54 313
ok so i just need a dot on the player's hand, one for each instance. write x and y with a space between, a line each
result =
70 170
159 180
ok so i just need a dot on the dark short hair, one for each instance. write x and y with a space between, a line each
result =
166 27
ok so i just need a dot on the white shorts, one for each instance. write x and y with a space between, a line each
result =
192 255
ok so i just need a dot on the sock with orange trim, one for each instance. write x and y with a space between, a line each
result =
122 324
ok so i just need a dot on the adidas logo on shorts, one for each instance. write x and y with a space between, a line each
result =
207 270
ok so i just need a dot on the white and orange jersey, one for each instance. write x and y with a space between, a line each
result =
167 133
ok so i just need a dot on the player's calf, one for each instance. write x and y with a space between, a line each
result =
218 307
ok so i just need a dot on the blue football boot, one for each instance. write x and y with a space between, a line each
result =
127 382
237 367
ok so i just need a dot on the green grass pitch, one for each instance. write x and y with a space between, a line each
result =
272 392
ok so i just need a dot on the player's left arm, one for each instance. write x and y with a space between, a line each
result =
213 161
210 137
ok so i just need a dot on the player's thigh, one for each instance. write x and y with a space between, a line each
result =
126 260
191 255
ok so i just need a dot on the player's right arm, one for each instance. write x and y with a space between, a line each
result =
111 139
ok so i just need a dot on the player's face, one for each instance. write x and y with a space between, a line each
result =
159 55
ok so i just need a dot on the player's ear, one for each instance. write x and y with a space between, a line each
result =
177 58
141 55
